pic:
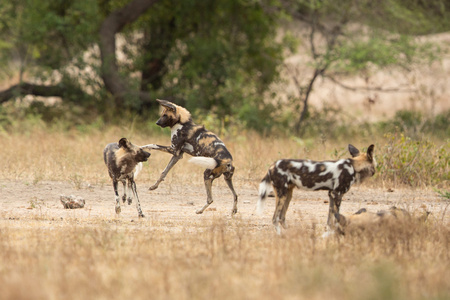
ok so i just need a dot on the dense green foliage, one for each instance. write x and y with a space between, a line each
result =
214 56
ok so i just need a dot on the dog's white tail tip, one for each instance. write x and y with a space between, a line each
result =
264 188
206 162
260 206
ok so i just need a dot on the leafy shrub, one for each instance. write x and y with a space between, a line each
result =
414 162
415 124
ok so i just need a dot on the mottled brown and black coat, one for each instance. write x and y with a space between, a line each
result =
205 147
334 176
124 162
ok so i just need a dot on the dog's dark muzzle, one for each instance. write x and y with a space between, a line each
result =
145 155
161 123
164 121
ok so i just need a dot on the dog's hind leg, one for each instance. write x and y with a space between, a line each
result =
228 179
285 207
281 195
138 203
172 163
209 178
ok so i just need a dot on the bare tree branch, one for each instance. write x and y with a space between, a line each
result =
398 89
323 62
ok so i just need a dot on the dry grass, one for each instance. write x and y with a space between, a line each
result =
42 155
44 257
224 259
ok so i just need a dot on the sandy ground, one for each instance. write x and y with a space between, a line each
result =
172 207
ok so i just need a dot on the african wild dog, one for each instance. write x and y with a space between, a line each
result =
124 162
335 176
208 150
363 219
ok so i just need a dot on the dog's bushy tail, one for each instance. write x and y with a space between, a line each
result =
206 162
264 188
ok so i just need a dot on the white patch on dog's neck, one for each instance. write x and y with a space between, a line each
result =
174 130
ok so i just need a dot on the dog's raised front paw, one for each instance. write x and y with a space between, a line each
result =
153 187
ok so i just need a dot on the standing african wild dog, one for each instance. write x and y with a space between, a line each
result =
208 150
124 162
334 176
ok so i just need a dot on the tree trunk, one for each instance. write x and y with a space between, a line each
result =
317 73
158 41
113 24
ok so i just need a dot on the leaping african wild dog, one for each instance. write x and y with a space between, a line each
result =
334 176
124 162
208 150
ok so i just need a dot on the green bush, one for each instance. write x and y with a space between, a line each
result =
415 163
415 124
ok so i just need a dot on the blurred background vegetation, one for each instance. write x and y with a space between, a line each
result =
81 63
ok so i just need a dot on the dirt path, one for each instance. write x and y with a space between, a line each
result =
172 207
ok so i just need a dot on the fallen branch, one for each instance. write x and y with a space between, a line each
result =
25 88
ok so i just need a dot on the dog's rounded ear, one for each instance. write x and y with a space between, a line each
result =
341 220
361 211
370 152
123 143
167 104
353 150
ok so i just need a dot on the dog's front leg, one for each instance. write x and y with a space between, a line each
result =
167 149
130 189
335 203
172 163
124 197
138 203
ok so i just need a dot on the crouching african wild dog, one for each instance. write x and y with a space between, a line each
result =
334 176
208 150
124 162
363 219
